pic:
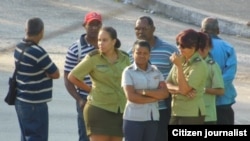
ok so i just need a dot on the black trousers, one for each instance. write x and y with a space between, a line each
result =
225 114
165 114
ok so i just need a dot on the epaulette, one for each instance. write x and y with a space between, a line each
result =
210 61
154 67
124 52
94 52
197 59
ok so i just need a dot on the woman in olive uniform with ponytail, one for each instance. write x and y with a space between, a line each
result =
106 100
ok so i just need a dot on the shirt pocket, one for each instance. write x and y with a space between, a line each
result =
140 83
101 72
102 68
154 81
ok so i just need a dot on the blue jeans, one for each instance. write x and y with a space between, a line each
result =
140 130
80 121
33 120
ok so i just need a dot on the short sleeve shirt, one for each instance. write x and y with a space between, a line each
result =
106 92
195 72
214 80
72 58
33 84
141 79
224 54
159 56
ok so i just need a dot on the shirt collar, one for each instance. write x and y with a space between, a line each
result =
136 68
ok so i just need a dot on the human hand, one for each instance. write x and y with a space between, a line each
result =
82 103
176 59
191 94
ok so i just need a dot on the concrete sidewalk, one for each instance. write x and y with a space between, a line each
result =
233 15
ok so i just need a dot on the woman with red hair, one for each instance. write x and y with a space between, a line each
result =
187 78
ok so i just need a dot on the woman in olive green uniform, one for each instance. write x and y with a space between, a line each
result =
187 79
106 99
214 84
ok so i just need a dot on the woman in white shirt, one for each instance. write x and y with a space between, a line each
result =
144 86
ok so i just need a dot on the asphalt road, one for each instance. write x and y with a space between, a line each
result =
63 26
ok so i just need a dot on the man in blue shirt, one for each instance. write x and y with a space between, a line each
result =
224 54
159 56
35 76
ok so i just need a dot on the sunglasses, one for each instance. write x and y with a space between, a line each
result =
181 45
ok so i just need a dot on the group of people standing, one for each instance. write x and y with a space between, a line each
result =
132 94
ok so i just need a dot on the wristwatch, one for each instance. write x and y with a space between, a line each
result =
143 92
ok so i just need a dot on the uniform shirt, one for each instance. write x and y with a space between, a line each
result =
214 80
224 54
72 58
33 85
195 72
159 56
141 79
106 92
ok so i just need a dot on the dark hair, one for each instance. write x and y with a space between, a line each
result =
204 40
149 19
113 35
141 43
209 41
34 26
189 38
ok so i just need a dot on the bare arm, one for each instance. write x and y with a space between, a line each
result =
54 75
173 89
79 83
160 93
72 90
184 88
214 91
135 97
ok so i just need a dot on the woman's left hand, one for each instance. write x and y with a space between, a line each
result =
191 94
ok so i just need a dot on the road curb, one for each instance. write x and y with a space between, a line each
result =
190 15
